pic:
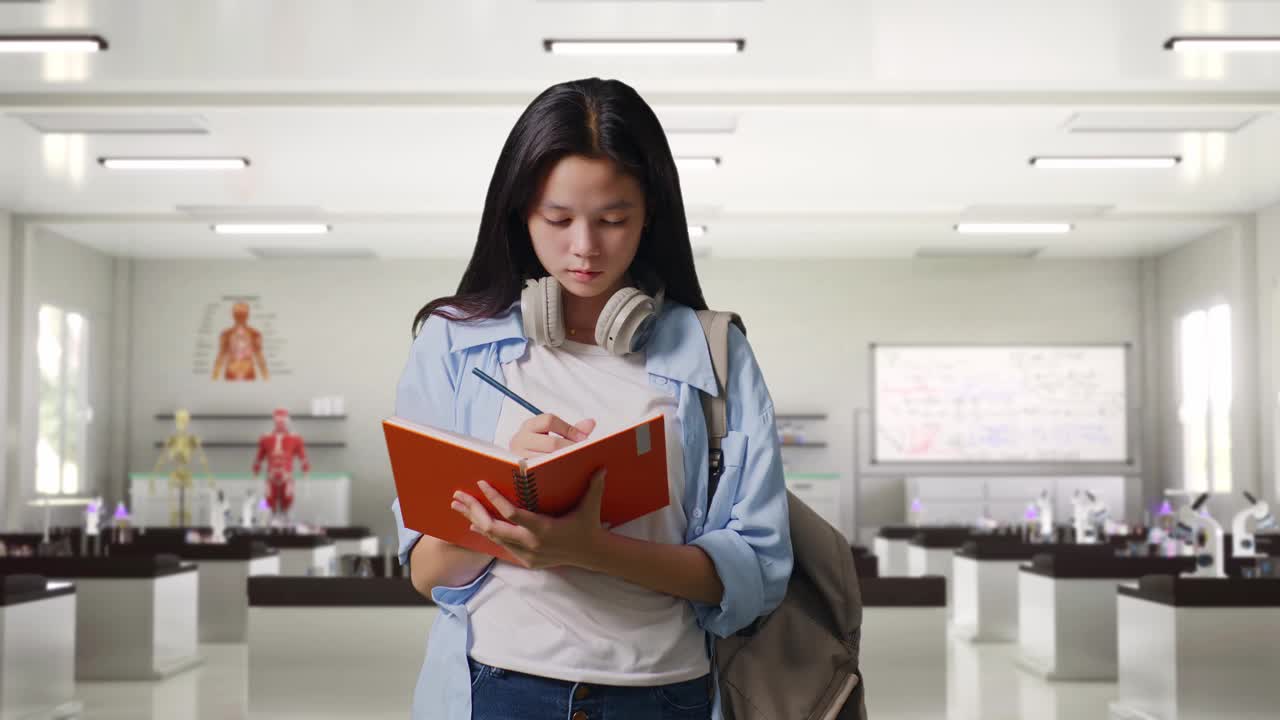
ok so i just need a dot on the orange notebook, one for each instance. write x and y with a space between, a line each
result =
429 464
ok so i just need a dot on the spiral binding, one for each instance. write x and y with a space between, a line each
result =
526 490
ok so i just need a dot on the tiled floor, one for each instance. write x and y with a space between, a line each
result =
983 681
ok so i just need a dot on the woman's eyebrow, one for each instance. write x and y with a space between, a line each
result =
618 205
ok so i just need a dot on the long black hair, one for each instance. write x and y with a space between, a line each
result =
597 119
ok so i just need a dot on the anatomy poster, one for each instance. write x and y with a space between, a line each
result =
239 341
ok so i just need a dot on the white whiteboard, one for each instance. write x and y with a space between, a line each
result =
1000 404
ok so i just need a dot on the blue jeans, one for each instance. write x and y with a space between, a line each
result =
498 694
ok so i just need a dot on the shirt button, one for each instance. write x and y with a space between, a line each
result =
697 513
581 694
697 530
662 381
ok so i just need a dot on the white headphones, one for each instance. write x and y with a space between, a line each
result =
623 327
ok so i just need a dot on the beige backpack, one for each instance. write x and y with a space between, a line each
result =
799 662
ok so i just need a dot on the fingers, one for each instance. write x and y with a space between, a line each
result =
493 528
497 530
506 509
547 422
586 426
540 443
471 508
512 536
595 490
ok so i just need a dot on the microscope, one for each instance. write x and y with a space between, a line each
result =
1205 536
916 514
1242 539
1043 509
1088 514
218 519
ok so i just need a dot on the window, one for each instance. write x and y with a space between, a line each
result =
62 351
1204 412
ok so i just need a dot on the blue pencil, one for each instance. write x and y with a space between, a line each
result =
503 389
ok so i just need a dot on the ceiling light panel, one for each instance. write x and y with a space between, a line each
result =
1175 121
1042 228
644 48
45 44
1224 43
978 253
174 163
271 228
1162 162
74 123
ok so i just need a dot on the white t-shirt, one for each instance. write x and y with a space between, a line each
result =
574 624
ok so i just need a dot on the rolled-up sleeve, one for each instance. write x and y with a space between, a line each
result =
425 395
752 550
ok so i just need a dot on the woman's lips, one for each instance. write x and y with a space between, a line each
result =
585 277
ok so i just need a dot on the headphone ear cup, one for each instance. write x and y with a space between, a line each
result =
540 312
531 310
624 314
553 318
608 316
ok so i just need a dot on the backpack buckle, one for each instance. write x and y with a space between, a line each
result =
716 463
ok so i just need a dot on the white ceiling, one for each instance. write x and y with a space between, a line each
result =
862 127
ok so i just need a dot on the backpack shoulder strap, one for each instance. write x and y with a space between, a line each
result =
715 326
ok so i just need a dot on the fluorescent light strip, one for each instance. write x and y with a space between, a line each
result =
209 163
52 44
697 163
644 47
697 231
1105 163
1013 228
271 228
1240 43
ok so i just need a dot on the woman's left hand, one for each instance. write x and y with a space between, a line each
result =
538 541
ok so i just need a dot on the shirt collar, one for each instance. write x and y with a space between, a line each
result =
676 351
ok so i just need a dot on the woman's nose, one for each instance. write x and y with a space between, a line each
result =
584 242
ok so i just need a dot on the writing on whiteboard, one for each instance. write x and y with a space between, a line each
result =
993 404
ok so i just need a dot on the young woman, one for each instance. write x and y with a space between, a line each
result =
580 297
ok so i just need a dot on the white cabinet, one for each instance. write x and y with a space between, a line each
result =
963 500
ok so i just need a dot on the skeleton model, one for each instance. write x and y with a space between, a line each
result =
179 449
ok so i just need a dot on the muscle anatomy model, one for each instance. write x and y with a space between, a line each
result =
279 449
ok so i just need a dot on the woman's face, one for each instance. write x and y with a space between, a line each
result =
586 224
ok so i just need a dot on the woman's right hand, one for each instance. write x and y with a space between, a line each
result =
547 433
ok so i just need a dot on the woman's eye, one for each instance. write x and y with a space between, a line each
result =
559 223
607 221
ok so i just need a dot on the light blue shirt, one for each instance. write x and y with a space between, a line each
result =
745 531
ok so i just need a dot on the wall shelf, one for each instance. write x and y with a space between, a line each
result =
804 444
800 416
250 416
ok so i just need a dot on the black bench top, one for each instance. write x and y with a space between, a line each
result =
354 532
283 541
1084 567
243 551
24 588
928 591
866 566
996 550
898 532
940 538
139 567
1206 592
275 591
